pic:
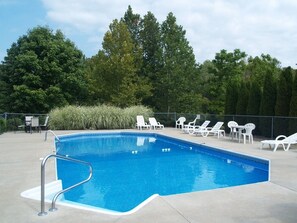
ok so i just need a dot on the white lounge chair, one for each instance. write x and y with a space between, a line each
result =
249 127
141 123
198 128
154 124
179 123
281 140
215 130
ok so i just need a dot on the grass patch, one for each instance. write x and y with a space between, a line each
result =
96 117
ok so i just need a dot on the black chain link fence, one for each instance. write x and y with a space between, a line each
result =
266 126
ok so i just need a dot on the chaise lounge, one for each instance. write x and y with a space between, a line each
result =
281 140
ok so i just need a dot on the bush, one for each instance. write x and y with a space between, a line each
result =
96 117
2 125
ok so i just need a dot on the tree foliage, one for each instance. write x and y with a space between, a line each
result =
267 103
42 70
227 66
144 62
283 99
176 79
115 71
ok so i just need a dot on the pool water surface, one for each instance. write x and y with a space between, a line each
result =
128 168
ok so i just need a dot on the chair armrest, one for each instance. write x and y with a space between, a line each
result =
280 136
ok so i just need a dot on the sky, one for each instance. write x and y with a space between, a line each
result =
255 27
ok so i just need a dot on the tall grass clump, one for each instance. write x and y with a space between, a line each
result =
96 117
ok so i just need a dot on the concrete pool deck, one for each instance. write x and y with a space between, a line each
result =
274 201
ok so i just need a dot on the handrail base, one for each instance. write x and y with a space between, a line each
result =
42 213
53 209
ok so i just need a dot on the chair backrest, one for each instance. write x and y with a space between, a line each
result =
28 120
140 120
249 127
153 121
46 121
35 122
181 120
232 123
217 126
291 139
205 124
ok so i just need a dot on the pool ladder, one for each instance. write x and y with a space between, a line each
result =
42 190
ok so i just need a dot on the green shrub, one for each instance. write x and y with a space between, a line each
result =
96 117
2 125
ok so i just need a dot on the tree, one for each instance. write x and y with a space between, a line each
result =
243 97
114 74
150 38
293 106
227 66
283 99
284 93
3 92
255 93
178 76
267 104
231 97
258 67
133 24
43 70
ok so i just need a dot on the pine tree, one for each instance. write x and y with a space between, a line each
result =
179 74
267 104
243 97
150 38
231 98
253 107
293 107
283 99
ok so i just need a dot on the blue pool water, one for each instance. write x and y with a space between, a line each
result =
128 168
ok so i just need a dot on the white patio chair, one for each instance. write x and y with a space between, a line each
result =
197 128
233 131
141 123
249 127
35 124
186 128
281 140
154 124
44 125
215 130
179 123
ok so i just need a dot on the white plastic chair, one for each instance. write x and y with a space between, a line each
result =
154 124
35 124
215 130
281 140
233 131
141 123
249 127
179 123
197 128
186 128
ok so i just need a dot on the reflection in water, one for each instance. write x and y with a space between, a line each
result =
129 169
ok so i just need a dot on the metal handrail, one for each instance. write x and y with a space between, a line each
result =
45 136
42 187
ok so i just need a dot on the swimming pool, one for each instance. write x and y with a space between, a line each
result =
129 168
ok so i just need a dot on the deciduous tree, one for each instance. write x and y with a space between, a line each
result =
43 70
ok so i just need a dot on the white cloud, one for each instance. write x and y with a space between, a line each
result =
256 27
